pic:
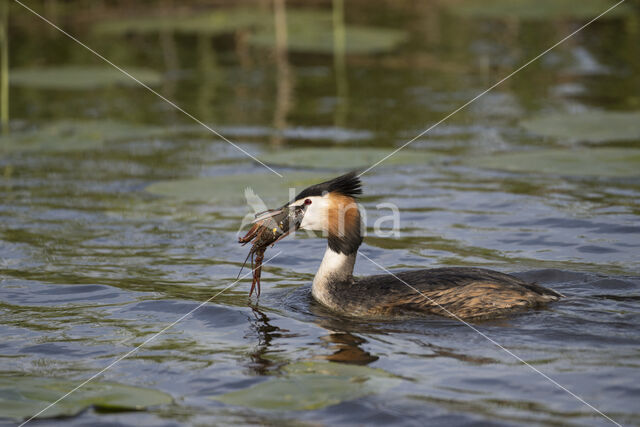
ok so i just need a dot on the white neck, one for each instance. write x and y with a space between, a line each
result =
335 267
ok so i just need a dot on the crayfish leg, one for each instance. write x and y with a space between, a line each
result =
257 271
280 238
251 234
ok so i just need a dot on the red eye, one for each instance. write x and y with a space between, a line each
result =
307 202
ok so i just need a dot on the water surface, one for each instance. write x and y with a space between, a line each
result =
93 263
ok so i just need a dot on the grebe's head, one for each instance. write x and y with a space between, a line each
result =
331 208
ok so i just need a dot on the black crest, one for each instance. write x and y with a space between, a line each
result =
348 185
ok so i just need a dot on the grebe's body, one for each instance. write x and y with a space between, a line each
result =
458 292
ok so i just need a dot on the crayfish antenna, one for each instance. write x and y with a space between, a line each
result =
243 264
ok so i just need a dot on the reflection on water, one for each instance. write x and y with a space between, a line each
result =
537 177
264 333
346 348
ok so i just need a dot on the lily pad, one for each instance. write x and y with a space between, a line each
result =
23 397
312 385
68 135
308 133
592 126
346 158
209 23
229 189
81 77
534 9
311 31
609 162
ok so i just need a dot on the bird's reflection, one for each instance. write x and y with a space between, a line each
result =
346 349
265 332
346 339
347 344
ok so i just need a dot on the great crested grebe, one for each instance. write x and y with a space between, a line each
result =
330 207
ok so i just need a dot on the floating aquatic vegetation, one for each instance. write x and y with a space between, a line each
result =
230 188
312 385
77 77
216 22
69 135
308 133
591 126
311 31
606 162
346 158
308 30
23 397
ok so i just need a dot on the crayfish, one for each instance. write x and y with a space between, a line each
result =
268 228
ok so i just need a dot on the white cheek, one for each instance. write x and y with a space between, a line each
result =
315 217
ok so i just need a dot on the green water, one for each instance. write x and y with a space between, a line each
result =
119 214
